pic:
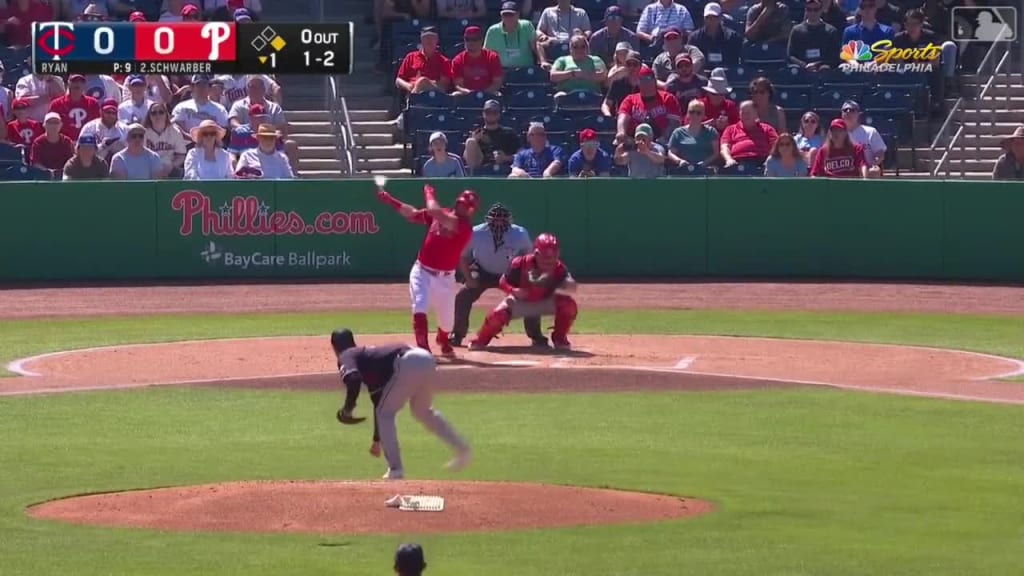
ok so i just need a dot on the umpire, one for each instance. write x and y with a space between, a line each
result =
493 246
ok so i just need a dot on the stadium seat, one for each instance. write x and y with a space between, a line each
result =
553 122
764 54
741 75
11 155
648 52
533 76
839 78
408 31
473 100
446 120
528 99
793 98
829 98
744 169
553 51
687 171
493 171
22 173
579 100
434 99
793 76
884 123
451 31
888 100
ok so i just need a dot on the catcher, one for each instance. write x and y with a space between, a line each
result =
537 284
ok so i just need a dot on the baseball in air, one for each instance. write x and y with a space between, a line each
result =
380 180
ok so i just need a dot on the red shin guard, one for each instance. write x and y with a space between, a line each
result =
565 315
495 321
421 330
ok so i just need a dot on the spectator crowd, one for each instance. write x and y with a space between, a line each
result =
87 127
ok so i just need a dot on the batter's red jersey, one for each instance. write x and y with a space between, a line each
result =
518 276
442 247
75 113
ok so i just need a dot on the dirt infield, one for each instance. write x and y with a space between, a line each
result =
254 298
358 507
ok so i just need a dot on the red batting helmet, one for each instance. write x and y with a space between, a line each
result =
470 199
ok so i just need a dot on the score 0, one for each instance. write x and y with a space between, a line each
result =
311 38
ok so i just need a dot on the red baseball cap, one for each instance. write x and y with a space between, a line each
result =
838 123
109 104
136 17
672 34
473 32
189 10
76 78
646 72
19 104
257 110
587 135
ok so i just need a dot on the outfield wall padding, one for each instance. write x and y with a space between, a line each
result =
801 228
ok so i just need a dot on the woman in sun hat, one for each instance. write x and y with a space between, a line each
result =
208 161
265 158
1010 166
720 110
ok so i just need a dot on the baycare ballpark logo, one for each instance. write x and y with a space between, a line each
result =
250 216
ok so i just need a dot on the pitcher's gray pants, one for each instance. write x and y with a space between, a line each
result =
414 381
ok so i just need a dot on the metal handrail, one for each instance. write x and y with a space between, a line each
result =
341 127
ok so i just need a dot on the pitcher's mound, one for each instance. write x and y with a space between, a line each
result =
358 507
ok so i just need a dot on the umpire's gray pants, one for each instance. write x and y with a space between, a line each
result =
414 382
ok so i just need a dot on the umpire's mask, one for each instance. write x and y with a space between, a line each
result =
499 220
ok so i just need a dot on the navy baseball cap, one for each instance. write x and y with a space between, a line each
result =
613 12
409 559
86 140
136 79
201 79
509 7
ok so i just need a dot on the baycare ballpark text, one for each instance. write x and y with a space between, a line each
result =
250 216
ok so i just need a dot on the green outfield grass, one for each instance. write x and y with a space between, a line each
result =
807 481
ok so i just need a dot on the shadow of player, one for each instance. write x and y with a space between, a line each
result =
536 351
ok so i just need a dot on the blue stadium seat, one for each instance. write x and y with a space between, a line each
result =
553 51
528 99
764 54
688 170
408 31
579 100
473 100
494 171
902 80
444 120
839 78
649 52
434 99
22 173
888 100
534 76
886 124
744 169
739 93
421 142
829 98
742 75
793 76
562 139
451 31
589 119
553 122
793 98
11 155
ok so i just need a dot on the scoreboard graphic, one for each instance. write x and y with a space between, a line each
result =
174 48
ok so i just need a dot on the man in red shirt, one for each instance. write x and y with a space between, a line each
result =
75 108
748 141
476 68
432 278
16 20
51 150
425 69
23 131
649 105
838 156
720 111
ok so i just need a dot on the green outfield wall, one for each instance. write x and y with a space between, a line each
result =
608 227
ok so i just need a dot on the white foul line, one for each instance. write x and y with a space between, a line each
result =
685 362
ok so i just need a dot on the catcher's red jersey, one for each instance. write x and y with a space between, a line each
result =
442 247
518 276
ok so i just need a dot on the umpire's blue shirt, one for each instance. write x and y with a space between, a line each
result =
495 259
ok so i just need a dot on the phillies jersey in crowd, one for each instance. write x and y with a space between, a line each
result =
442 247
518 276
75 114
655 111
24 132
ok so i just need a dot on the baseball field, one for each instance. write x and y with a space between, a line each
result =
714 429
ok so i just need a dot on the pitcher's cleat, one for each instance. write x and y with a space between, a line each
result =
396 474
461 460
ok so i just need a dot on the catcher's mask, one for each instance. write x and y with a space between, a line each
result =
545 248
499 220
342 339
469 201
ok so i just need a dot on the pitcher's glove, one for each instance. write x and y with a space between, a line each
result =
347 418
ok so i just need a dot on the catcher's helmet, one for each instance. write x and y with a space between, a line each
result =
470 199
342 339
546 244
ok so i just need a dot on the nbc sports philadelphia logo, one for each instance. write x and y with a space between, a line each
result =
216 255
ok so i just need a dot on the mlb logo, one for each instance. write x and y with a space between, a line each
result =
977 24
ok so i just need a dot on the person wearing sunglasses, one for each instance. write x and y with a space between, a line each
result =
814 43
839 157
623 79
762 92
208 161
580 71
515 40
694 143
165 140
476 68
866 136
785 160
665 63
808 138
683 83
606 41
869 30
136 162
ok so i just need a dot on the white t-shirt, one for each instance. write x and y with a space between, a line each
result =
275 166
129 112
197 167
871 140
240 111
119 131
36 85
188 115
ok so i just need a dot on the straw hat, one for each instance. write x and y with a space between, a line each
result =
267 131
206 125
1018 134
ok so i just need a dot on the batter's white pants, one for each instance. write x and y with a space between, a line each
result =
414 381
433 289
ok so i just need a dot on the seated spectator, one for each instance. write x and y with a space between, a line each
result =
720 44
839 157
539 159
265 159
208 161
785 160
165 140
869 30
694 143
650 106
39 90
76 109
748 141
136 17
590 160
17 18
808 139
442 163
834 15
1010 165
768 21
891 16
175 10
85 164
660 16
461 9
191 113
720 110
188 13
226 10
644 157
580 71
52 150
425 69
477 68
915 35
256 87
136 162
515 40
240 15
110 133
409 560
491 143
22 131
136 107
866 136
606 42
814 43
560 22
103 87
763 94
665 63
243 136
83 10
683 83
623 79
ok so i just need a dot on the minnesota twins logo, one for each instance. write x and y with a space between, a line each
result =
55 39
